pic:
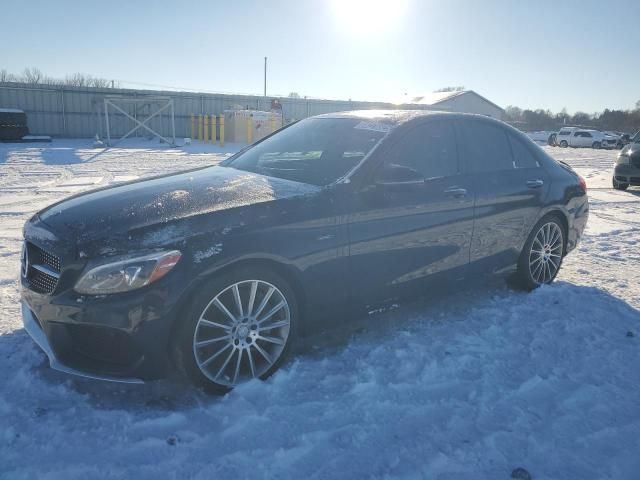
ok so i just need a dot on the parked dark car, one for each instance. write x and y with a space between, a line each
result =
627 168
219 270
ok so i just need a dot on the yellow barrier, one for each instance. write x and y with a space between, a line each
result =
222 130
214 121
249 130
193 126
206 129
200 126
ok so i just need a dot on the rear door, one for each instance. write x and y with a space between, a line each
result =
509 185
404 233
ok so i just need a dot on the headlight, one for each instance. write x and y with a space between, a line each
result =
624 158
125 273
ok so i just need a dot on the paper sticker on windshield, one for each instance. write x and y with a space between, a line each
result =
375 126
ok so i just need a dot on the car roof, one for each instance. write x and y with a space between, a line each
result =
395 118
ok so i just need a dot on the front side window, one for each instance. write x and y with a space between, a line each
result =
317 151
429 149
485 147
564 133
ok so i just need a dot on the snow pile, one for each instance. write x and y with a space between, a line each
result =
473 385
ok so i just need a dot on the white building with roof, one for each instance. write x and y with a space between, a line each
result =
463 101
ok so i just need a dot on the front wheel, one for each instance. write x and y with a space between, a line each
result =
564 144
542 254
240 327
619 185
596 145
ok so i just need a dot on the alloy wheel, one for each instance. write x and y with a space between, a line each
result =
546 253
242 332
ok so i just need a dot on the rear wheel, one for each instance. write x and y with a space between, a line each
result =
564 144
240 327
619 185
542 254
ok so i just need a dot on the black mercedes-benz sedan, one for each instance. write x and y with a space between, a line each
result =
217 271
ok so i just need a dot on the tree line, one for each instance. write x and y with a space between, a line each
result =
35 76
536 120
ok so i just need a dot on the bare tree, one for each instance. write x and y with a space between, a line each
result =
6 76
513 113
103 83
32 75
77 80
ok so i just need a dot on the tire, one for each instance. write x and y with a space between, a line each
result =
551 141
548 237
564 144
619 185
217 366
596 145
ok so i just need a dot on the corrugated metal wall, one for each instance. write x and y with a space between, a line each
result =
79 112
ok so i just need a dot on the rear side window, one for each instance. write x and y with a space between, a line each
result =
485 147
523 157
429 149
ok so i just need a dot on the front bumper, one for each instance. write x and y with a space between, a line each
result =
627 173
122 337
34 330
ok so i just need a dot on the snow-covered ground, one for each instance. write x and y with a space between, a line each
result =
467 386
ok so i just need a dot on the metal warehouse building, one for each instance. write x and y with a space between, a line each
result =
64 111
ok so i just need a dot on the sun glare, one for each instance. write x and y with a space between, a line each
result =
368 17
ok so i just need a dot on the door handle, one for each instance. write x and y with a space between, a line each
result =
456 192
537 183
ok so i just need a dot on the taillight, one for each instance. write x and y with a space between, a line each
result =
583 183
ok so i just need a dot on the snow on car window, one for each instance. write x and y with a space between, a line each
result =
375 126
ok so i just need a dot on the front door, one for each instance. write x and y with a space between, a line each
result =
413 220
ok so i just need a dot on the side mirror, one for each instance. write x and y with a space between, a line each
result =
394 174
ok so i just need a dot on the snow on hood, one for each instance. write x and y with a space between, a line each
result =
161 200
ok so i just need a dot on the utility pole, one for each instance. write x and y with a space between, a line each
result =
265 77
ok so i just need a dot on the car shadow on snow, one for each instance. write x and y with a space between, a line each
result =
80 151
448 313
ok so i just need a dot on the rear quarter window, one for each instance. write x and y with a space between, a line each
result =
523 157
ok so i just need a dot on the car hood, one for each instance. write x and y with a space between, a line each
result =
163 200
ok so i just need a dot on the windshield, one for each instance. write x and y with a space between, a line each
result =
316 150
636 138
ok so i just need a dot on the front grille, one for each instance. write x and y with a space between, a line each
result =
635 161
40 268
42 282
46 258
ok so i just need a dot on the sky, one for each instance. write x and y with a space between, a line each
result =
579 55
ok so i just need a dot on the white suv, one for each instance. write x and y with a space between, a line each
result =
580 137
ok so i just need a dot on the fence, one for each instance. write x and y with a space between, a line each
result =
63 111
